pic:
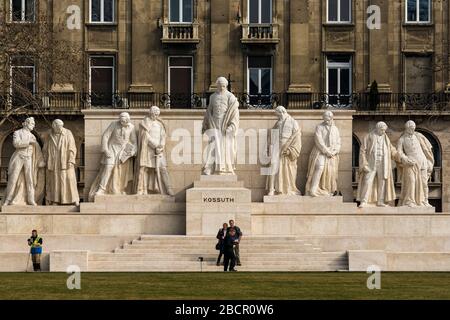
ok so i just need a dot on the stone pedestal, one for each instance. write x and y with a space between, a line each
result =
214 200
132 204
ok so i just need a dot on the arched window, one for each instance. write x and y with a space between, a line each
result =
436 147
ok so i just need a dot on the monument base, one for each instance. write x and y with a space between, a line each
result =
214 200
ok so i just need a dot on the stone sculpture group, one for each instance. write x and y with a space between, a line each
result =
133 162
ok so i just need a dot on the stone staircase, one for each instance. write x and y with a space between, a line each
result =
181 253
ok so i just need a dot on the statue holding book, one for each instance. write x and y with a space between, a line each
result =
119 146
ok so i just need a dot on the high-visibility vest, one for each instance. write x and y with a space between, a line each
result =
36 243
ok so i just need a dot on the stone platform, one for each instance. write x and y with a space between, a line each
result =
281 204
214 200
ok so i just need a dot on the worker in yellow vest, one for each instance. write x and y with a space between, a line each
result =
35 242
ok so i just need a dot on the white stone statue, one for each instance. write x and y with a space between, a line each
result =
376 180
151 165
221 124
323 163
26 177
416 155
285 146
119 146
60 154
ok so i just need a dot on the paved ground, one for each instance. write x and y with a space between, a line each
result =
336 285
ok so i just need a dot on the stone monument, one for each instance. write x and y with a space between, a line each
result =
323 163
284 149
416 155
60 153
151 166
219 196
119 146
221 124
376 181
26 177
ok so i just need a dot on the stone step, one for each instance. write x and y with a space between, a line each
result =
195 267
243 245
212 257
210 251
209 238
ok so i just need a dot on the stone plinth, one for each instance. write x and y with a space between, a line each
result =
38 209
214 200
132 204
281 204
60 260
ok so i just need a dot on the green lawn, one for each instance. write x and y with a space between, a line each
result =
336 285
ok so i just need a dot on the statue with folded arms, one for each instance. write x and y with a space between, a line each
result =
119 146
285 146
26 177
60 154
323 163
376 180
151 165
417 161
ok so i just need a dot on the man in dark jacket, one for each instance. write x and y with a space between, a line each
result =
35 243
239 237
221 236
228 250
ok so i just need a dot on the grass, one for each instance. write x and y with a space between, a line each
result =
337 285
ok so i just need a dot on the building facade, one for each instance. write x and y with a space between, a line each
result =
302 54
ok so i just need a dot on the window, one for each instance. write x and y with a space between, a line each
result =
338 82
102 11
260 11
181 11
22 10
339 11
418 74
418 11
101 80
23 79
180 81
259 84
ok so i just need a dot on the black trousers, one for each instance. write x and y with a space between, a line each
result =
229 259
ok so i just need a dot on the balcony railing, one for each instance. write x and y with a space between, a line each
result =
361 102
180 32
260 33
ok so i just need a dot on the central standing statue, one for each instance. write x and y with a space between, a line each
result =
324 159
119 146
221 124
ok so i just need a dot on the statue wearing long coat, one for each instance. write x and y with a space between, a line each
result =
367 159
60 153
221 123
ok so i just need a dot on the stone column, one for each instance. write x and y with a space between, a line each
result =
300 81
145 35
379 58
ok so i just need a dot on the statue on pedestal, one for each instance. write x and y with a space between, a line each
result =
221 124
119 146
285 146
417 161
60 154
323 163
26 177
151 165
376 181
